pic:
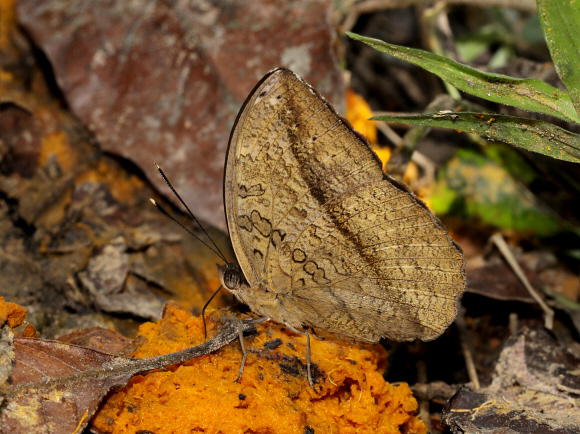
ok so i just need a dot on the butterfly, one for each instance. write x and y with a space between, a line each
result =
325 240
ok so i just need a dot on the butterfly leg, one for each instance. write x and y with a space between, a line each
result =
308 373
241 337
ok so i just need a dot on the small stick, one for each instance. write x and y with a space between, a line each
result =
513 323
467 354
511 260
424 403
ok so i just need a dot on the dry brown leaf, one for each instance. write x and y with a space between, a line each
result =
535 389
57 387
164 82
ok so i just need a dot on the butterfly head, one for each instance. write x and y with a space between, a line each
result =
231 276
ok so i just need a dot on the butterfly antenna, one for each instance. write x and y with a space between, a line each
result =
165 213
217 251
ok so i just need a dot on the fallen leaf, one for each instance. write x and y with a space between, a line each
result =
478 188
164 82
100 339
57 387
498 281
535 388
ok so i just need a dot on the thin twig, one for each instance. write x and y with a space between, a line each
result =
513 323
511 260
120 366
424 403
465 348
389 133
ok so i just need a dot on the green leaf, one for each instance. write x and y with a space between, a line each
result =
560 23
528 94
536 136
476 188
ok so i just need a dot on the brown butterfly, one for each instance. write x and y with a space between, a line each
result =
325 240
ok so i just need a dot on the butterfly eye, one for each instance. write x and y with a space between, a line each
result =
231 279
